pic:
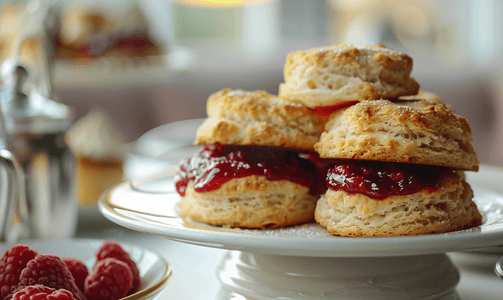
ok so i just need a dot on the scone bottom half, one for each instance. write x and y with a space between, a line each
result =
250 186
369 199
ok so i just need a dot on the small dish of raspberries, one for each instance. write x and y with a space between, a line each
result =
79 270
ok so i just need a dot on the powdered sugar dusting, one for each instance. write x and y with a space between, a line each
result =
367 48
236 93
275 102
308 230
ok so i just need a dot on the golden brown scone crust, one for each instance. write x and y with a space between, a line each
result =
419 132
237 117
449 208
423 95
250 202
79 24
333 74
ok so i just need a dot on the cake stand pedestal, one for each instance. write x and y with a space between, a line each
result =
263 276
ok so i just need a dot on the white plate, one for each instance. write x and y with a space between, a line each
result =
150 205
102 72
165 139
154 270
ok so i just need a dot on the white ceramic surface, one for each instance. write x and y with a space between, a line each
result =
154 270
162 142
150 205
274 277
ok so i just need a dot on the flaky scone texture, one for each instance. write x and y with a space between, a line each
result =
419 132
237 117
333 74
423 95
448 209
250 202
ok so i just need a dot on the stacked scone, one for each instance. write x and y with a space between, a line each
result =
401 170
255 171
393 157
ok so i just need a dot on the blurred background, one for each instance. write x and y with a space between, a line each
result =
192 48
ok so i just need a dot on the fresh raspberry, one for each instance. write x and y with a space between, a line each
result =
78 269
40 292
12 263
110 279
112 249
50 271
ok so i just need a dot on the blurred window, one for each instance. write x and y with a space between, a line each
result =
197 23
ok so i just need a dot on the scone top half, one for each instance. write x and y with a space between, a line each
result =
254 134
335 74
237 117
418 132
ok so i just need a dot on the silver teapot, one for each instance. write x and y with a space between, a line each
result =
42 163
37 198
37 165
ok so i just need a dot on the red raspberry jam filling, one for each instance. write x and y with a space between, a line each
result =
379 180
328 110
215 165
133 45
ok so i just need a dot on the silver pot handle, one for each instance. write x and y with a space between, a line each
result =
498 268
12 188
10 191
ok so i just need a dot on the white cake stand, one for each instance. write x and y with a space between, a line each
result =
304 261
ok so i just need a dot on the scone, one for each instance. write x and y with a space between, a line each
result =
335 75
88 35
98 148
78 25
400 170
31 52
258 169
237 117
419 132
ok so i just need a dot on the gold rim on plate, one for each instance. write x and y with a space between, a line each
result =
155 288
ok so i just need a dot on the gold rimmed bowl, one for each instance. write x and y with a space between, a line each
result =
154 269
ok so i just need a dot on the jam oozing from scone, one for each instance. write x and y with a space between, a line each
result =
215 165
379 180
328 110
